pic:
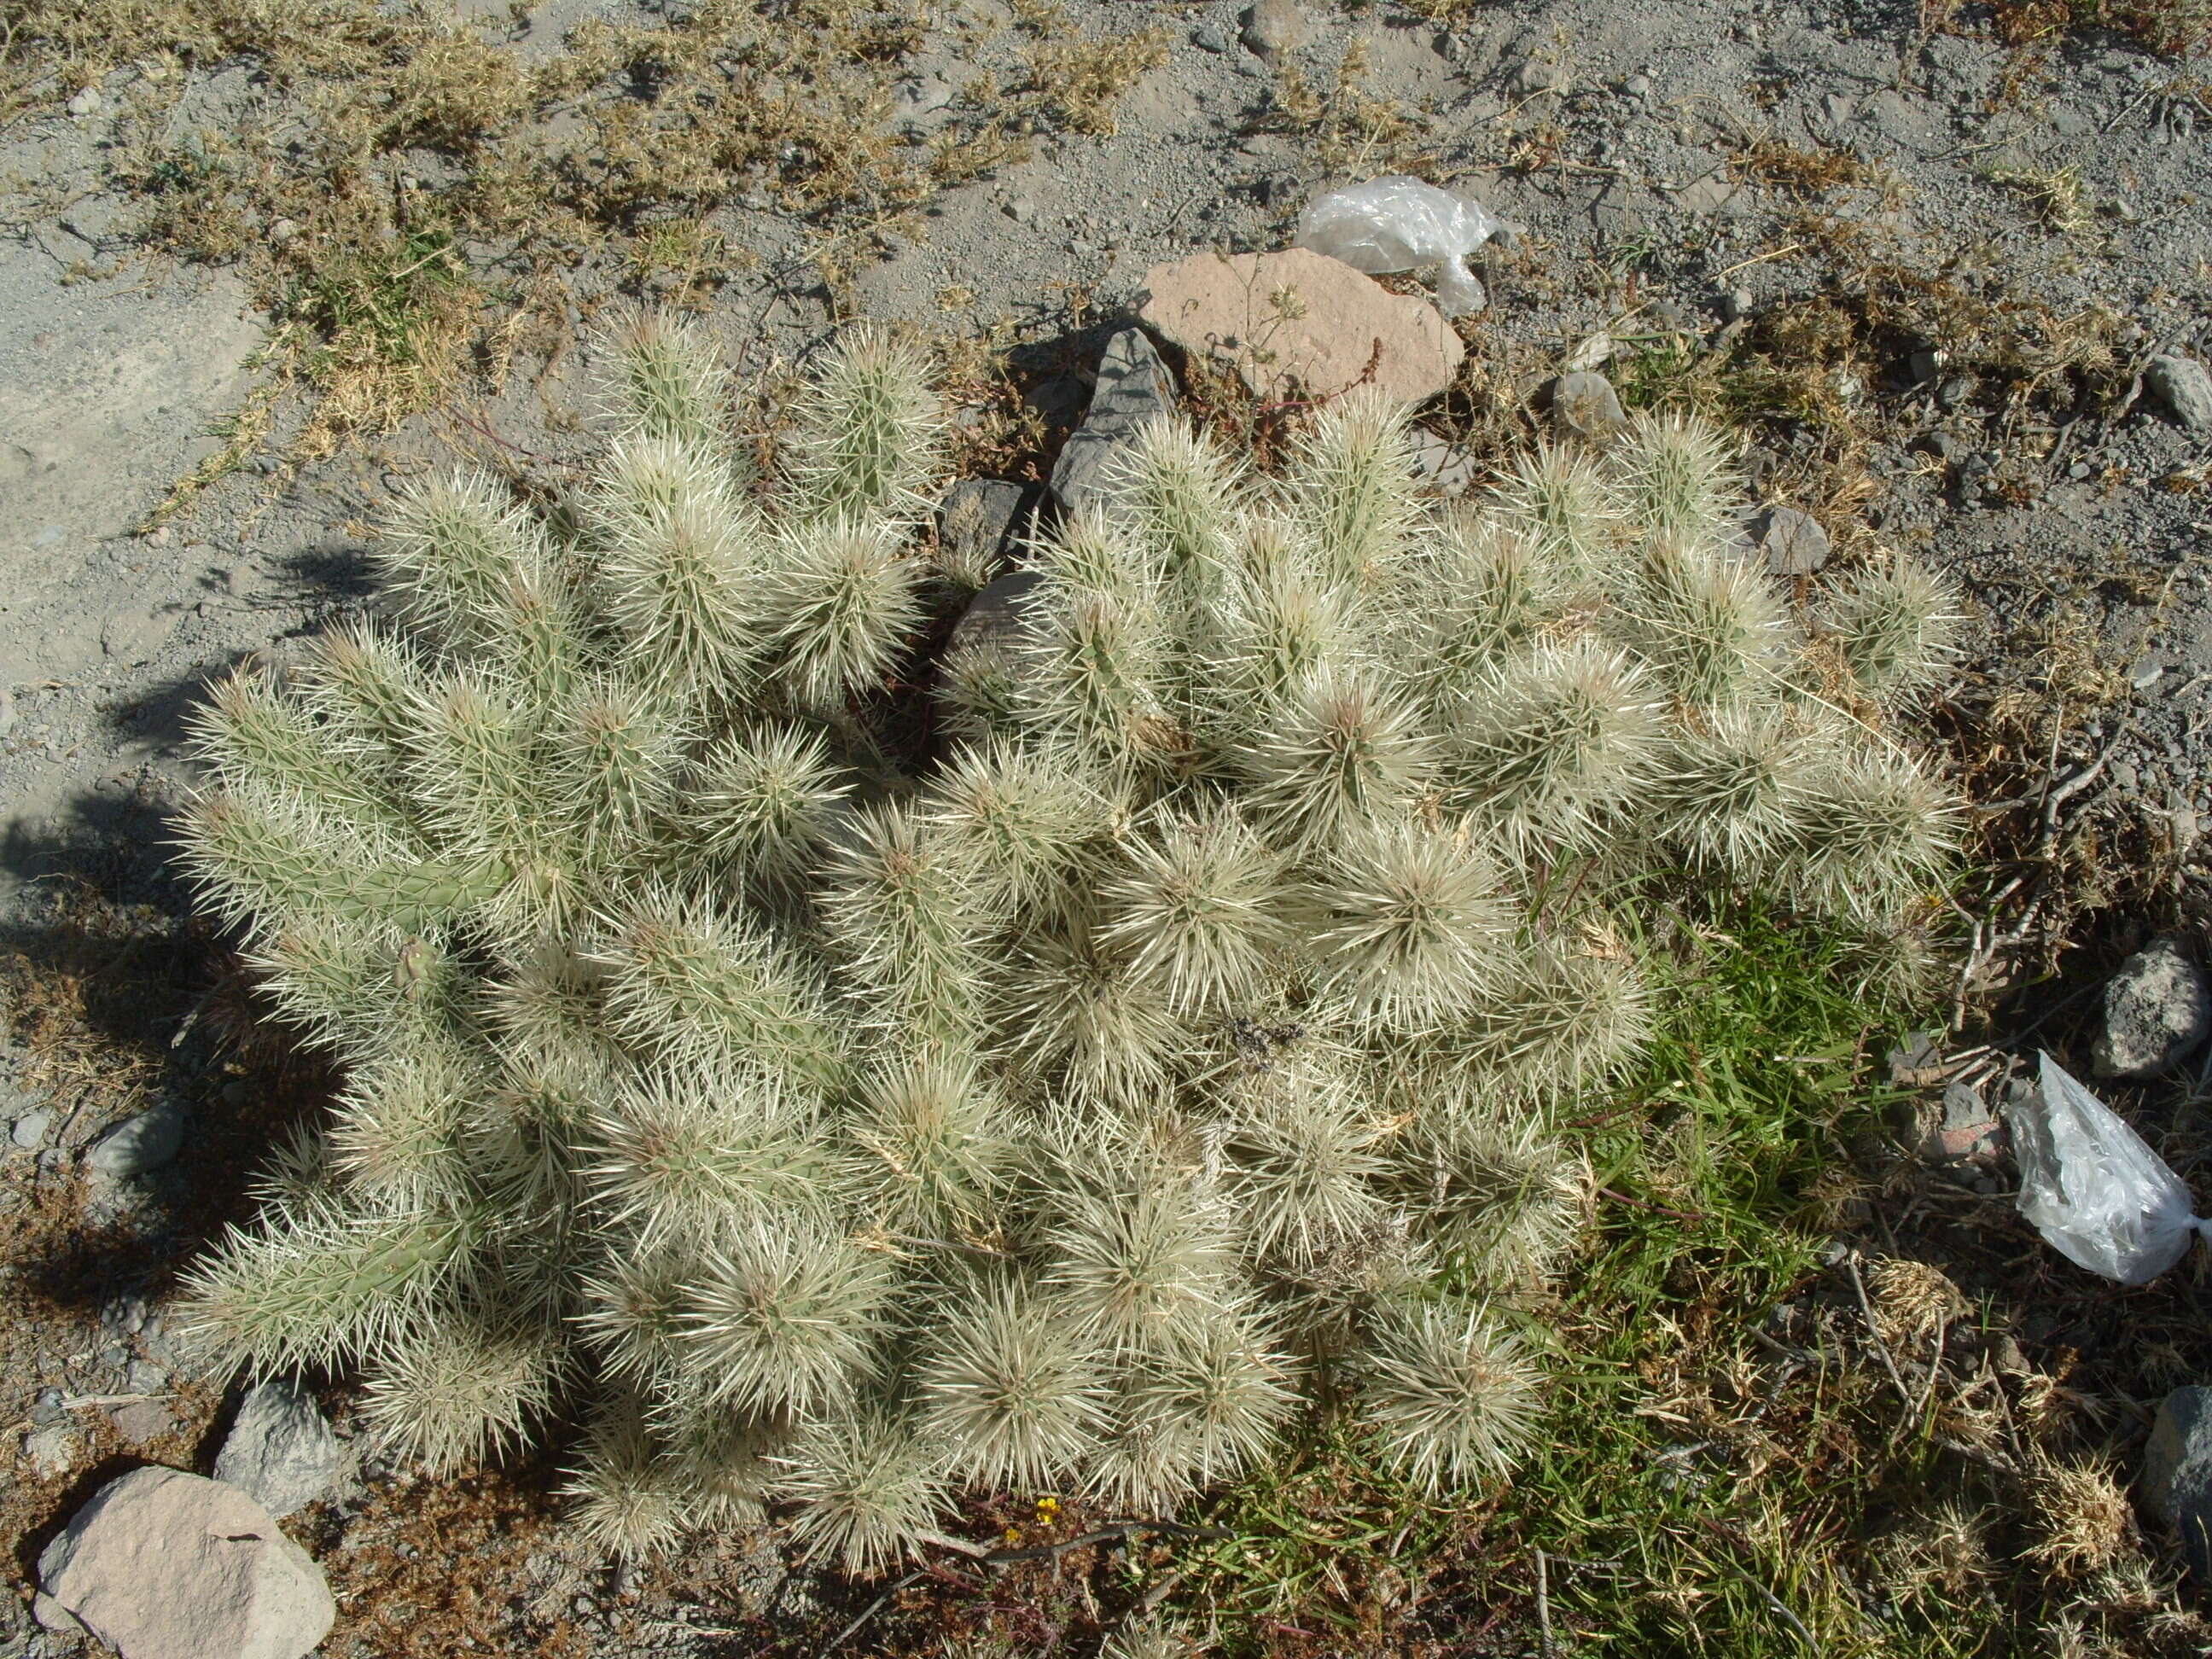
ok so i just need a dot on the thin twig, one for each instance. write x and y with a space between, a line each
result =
1114 1532
951 1244
1645 1204
1935 1376
1544 1607
872 1608
1874 1331
1160 1592
1781 1607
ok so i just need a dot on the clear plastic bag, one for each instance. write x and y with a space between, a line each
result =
1396 224
2096 1193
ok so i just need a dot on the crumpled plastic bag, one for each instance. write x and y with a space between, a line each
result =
1396 224
2096 1193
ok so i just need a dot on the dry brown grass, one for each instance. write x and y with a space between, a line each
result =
1345 129
408 201
1912 1299
2176 28
2084 1516
1799 172
1071 81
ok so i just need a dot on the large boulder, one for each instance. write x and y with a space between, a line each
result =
1299 320
2186 388
162 1564
993 618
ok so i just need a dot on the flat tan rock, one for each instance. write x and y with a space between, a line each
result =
1300 320
162 1564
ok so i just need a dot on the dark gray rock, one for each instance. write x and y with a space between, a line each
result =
2176 1485
1585 406
1794 542
280 1450
1970 1132
139 1144
2184 386
1207 38
2156 1010
994 617
1134 388
980 517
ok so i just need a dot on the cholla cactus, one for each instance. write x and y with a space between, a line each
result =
833 1119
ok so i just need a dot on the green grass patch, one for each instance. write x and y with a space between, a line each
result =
1660 1515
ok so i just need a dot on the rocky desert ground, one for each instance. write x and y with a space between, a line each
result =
1946 272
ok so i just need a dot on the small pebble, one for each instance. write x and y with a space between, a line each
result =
2186 386
1207 38
283 231
2079 471
1021 209
2144 675
1272 27
1638 86
1735 305
1536 75
85 103
53 1449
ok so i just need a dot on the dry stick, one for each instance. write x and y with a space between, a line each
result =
1645 1204
1160 1592
949 1244
1935 1376
1874 1330
1544 1607
1113 1532
871 1610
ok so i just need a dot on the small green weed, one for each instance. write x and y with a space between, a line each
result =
390 319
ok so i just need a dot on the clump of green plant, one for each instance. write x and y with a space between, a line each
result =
1165 1044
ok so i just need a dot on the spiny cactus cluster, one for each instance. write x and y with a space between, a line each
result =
846 1075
